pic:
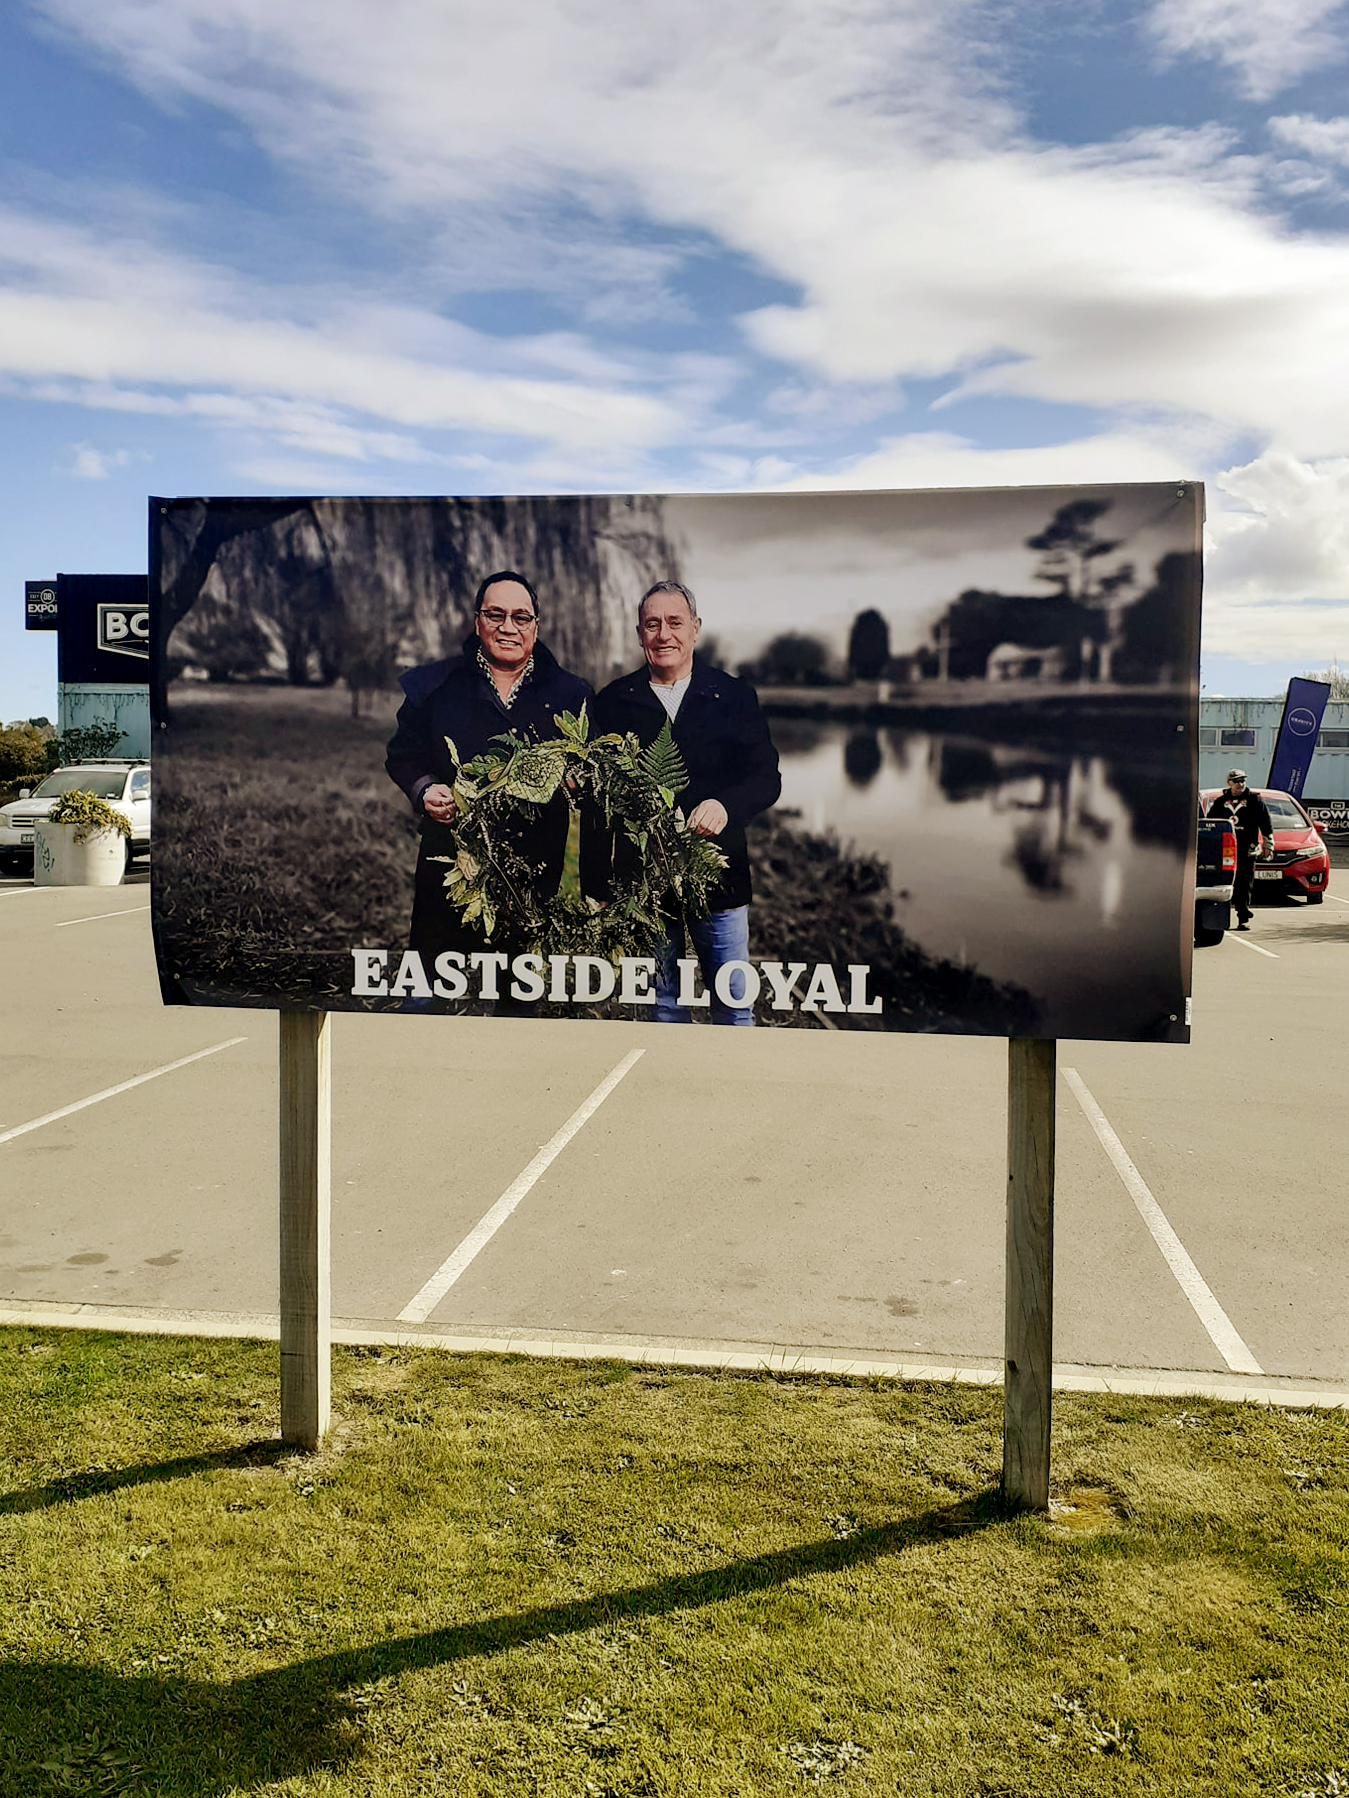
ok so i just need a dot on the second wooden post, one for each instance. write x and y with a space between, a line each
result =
306 1199
1028 1329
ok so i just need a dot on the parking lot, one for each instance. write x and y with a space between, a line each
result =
795 1195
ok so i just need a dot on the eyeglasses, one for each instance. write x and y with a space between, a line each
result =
495 618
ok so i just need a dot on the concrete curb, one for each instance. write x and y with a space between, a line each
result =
674 1351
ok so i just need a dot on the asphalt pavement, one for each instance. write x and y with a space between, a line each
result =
817 1197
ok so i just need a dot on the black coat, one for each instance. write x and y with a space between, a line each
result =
1249 815
454 698
723 738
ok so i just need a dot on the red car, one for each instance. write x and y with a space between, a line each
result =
1301 864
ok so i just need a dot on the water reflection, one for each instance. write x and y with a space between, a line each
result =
1059 872
862 757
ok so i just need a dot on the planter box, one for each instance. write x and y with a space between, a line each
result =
59 861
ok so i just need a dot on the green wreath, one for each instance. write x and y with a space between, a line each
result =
490 883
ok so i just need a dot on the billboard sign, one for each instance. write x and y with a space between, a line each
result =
104 630
39 605
1295 744
1332 814
884 761
124 630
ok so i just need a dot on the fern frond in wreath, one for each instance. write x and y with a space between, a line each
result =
490 883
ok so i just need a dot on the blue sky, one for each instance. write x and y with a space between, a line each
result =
425 246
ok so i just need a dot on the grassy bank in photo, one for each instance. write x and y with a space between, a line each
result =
280 840
505 1576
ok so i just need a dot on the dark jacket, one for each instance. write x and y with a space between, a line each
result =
1249 815
723 738
454 698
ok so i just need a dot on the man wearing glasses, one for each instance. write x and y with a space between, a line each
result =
1250 819
733 775
504 679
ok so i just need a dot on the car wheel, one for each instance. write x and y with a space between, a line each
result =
1315 898
1207 939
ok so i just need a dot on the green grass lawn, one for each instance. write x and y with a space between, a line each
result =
507 1576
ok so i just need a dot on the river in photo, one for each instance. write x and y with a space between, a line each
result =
1060 873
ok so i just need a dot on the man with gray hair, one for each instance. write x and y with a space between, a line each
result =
732 768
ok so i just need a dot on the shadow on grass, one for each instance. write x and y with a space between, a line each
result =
67 1488
175 1736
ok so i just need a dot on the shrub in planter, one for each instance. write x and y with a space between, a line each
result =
82 842
89 814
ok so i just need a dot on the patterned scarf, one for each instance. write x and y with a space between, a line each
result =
507 699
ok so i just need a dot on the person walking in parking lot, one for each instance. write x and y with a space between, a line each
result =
1250 820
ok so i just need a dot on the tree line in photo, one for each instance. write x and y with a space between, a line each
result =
326 592
1096 624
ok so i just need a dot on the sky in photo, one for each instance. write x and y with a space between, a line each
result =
423 246
762 564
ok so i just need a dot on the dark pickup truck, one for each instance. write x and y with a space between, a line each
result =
1214 871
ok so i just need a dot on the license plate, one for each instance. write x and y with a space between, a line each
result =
25 836
1269 873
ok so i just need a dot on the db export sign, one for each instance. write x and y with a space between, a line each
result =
124 630
39 605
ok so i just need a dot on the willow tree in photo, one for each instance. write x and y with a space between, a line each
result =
354 589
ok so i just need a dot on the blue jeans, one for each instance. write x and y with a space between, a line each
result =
721 937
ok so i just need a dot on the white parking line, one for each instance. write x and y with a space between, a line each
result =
111 1092
1209 1312
418 1309
125 912
1337 899
1234 938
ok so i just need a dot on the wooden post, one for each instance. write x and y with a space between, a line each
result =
1028 1327
306 1308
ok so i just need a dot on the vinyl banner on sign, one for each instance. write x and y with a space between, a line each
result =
1303 709
862 761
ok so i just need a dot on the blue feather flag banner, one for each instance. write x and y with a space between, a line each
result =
1295 744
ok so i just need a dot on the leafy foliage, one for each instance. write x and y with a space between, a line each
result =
23 758
632 789
86 742
90 815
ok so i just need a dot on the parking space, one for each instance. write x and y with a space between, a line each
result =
822 1190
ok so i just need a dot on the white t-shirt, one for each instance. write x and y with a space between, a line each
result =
671 694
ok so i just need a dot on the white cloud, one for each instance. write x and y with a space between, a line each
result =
860 152
90 464
1288 535
941 459
129 325
1269 44
1277 576
868 164
1327 139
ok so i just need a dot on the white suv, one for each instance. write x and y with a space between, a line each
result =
125 785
